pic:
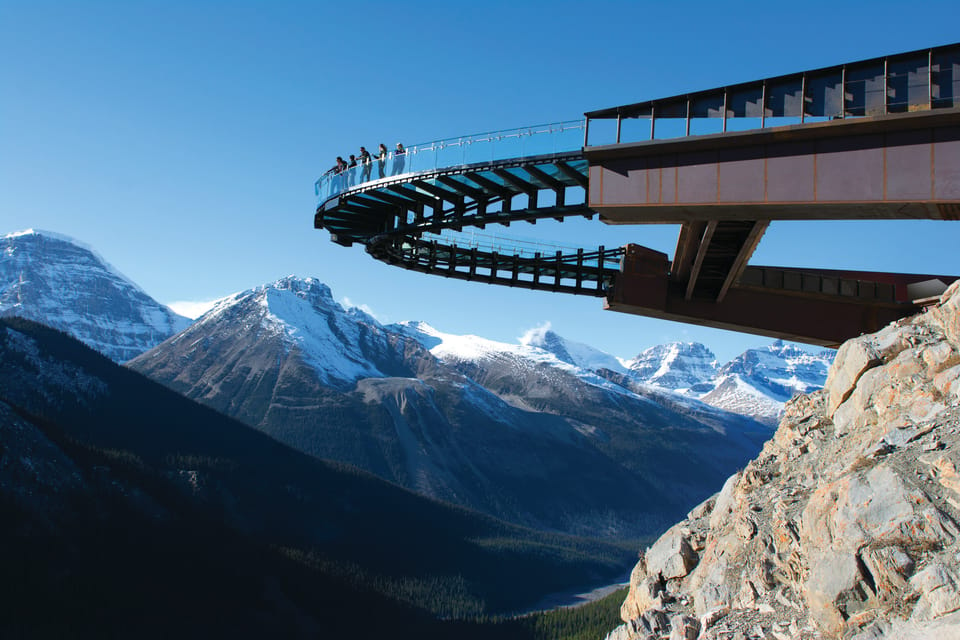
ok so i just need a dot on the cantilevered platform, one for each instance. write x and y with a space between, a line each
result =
875 139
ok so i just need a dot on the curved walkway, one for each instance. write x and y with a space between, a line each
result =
390 215
872 139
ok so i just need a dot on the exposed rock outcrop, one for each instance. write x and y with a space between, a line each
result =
846 524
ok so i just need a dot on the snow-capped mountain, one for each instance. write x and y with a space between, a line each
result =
574 353
514 430
537 348
546 432
783 370
679 366
756 383
759 381
302 315
57 281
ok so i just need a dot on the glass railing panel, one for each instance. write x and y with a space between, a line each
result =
705 126
413 160
744 123
455 152
603 131
450 154
635 130
667 128
568 136
476 152
396 164
538 145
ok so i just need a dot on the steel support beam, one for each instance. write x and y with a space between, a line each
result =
815 315
743 256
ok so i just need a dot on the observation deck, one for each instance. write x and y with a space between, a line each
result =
874 139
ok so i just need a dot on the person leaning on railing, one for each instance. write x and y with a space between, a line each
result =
381 159
351 174
399 158
337 181
367 162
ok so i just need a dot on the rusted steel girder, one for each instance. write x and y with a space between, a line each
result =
899 166
815 306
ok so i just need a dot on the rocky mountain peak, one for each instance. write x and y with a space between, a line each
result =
53 279
674 365
845 525
545 338
309 289
587 358
294 317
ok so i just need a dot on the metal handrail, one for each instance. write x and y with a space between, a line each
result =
917 80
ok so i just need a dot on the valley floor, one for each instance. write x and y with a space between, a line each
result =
577 597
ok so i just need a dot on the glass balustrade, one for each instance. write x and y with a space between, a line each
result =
477 148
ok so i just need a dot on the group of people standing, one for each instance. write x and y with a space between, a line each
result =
365 161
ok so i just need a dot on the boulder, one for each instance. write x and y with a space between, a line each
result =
646 595
944 471
939 595
853 358
939 357
890 569
724 503
684 627
946 383
671 556
835 589
947 315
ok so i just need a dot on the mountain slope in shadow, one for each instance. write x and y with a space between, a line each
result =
134 511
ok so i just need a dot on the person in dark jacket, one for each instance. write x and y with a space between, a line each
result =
351 170
366 161
399 159
382 159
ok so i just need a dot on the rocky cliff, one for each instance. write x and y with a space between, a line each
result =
845 526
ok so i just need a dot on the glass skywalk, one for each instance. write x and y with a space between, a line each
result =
474 149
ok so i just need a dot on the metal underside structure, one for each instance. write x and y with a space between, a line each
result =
876 139
390 217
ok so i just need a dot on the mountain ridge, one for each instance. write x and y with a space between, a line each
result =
50 278
510 430
130 322
101 434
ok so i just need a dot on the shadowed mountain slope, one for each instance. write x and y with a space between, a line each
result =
510 430
92 450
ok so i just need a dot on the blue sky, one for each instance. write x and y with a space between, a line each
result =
182 139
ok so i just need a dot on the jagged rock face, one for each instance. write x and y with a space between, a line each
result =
845 525
53 280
